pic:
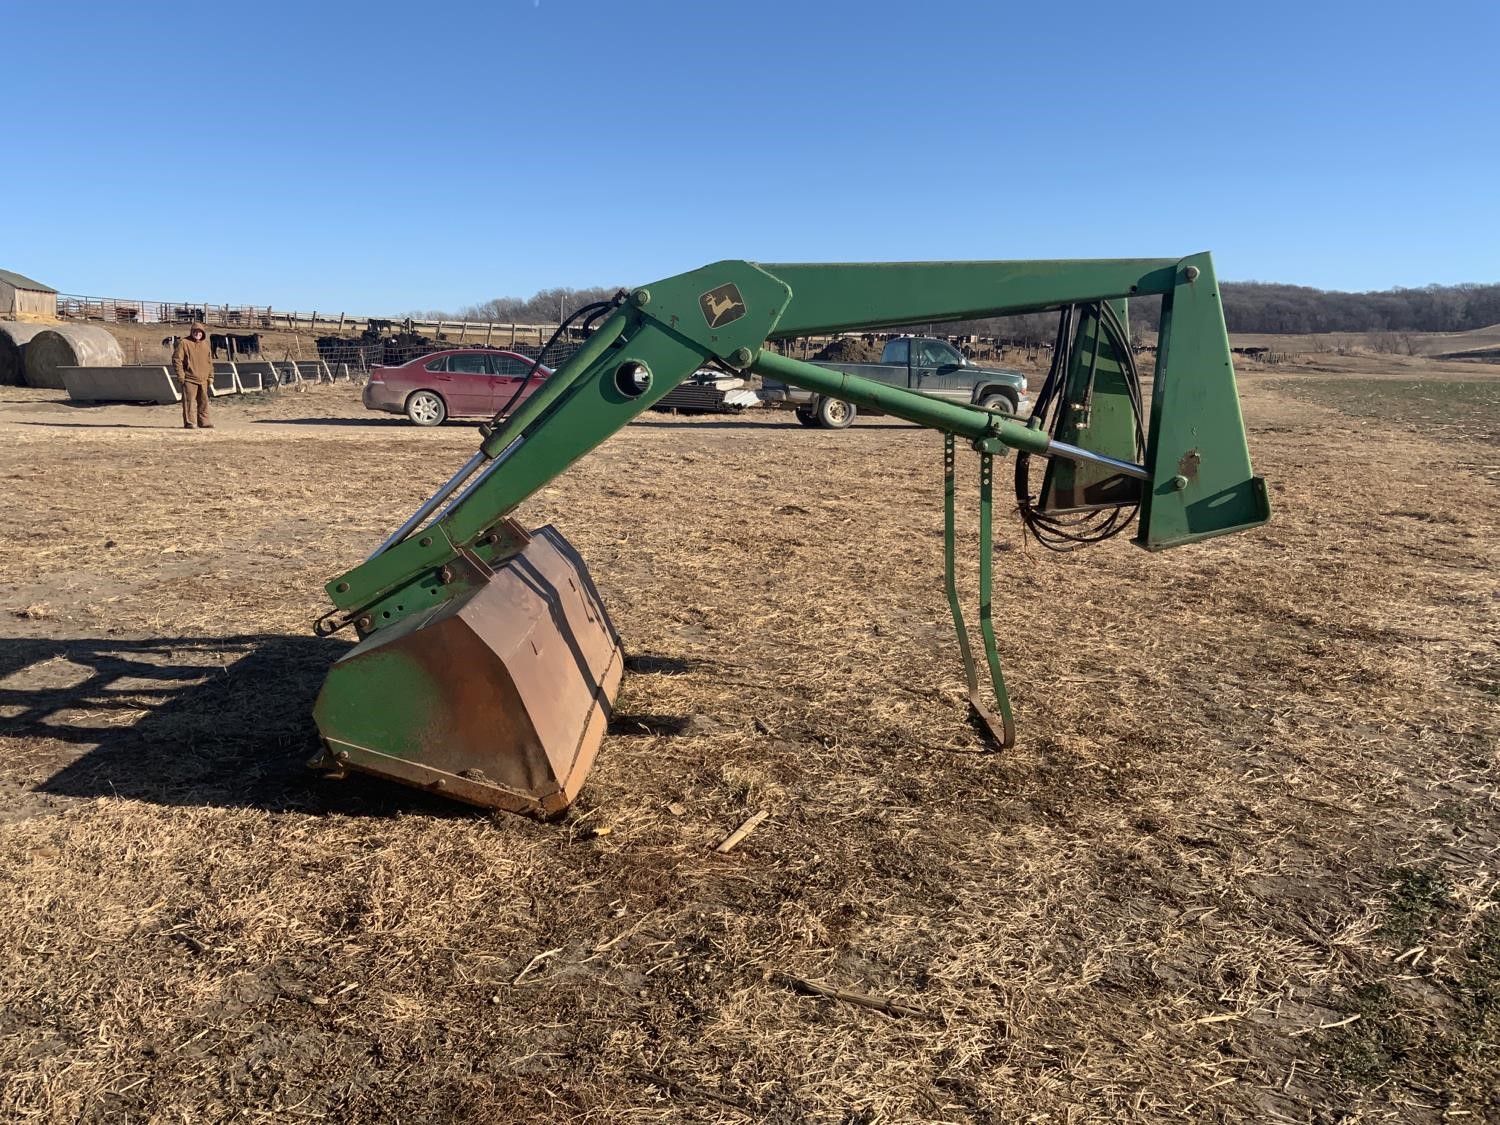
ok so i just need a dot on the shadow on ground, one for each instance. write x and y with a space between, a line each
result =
211 721
177 425
383 420
762 423
653 421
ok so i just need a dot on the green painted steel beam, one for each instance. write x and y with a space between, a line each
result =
561 382
847 297
1201 481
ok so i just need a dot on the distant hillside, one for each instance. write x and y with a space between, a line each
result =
1257 306
1275 309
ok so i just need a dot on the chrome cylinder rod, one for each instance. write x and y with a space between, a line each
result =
430 504
500 459
1074 453
561 381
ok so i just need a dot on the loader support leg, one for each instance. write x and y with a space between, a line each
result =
1007 735
1001 727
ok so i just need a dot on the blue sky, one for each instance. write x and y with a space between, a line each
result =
385 157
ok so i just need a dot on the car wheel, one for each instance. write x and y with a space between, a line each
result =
998 404
426 408
835 413
806 416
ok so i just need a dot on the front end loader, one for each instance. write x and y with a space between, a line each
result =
487 665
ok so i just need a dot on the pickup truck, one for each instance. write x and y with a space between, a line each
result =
918 363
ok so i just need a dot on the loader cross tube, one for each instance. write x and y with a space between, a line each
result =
977 425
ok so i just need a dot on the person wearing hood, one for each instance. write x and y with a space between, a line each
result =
193 364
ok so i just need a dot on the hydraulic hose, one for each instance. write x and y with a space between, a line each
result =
592 311
1067 532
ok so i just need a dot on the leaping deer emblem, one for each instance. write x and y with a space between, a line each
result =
720 305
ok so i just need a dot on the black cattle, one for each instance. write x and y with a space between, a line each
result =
356 353
234 344
405 346
336 349
371 347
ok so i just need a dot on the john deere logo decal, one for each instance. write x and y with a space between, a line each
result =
722 306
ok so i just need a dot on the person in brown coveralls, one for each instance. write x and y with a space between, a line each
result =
193 364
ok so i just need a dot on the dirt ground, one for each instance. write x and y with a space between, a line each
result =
1241 866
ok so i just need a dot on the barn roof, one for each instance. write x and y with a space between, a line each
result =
21 282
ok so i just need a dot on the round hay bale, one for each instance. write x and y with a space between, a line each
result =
14 336
69 345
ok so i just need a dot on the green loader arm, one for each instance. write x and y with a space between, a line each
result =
1199 480
1196 480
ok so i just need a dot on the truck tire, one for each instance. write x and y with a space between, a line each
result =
426 408
998 403
834 413
806 416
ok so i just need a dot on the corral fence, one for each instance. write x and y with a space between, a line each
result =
452 332
364 341
449 332
118 310
364 352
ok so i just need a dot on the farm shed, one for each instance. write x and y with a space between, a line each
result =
22 298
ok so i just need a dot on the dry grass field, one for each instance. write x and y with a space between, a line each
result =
1242 865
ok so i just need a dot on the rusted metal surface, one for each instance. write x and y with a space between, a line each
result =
1187 465
499 697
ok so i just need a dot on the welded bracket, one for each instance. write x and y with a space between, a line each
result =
996 720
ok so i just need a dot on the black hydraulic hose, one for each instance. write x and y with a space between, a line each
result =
604 308
1132 375
1068 532
593 311
1040 410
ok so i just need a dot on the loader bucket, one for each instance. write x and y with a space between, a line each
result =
499 696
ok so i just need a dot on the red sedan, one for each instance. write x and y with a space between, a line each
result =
458 383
